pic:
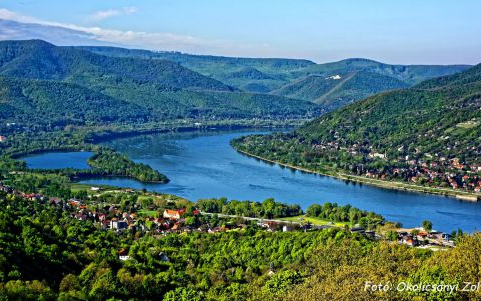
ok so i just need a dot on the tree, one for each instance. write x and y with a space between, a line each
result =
427 225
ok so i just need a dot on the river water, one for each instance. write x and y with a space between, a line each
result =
204 165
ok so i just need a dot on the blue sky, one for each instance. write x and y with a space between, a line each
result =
407 32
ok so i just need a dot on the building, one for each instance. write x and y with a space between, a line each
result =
3 138
174 214
177 213
123 255
118 225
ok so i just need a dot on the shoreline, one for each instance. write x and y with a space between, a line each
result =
461 196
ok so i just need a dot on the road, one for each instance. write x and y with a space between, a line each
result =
263 220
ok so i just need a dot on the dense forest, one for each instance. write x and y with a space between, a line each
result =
108 162
341 89
48 255
268 74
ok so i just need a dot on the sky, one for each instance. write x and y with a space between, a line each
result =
398 32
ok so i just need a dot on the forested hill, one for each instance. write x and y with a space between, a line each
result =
334 85
332 92
39 102
429 134
43 84
410 74
249 74
37 59
437 116
330 85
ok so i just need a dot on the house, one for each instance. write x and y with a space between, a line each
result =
407 240
177 213
123 255
118 225
422 236
94 188
3 138
174 214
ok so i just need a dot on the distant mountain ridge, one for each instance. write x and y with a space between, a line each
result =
270 72
300 79
37 59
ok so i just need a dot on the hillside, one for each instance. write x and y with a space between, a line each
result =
37 59
67 85
299 79
332 92
410 74
37 103
250 74
428 134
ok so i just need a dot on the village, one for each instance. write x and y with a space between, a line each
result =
427 169
190 219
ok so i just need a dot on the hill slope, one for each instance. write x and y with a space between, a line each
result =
37 59
68 81
427 134
299 79
272 74
55 103
332 92
410 74
250 74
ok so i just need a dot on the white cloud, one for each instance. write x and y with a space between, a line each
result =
105 14
10 15
93 35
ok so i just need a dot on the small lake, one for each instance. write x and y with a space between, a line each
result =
204 165
57 160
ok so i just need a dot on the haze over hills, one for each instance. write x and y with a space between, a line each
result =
130 88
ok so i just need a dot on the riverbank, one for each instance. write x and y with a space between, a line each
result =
463 196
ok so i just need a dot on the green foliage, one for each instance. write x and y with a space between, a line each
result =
347 213
109 162
282 283
43 86
269 208
332 93
427 225
47 255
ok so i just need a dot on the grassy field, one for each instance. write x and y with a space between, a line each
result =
146 212
76 187
313 220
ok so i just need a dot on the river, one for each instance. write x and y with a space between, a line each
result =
204 165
